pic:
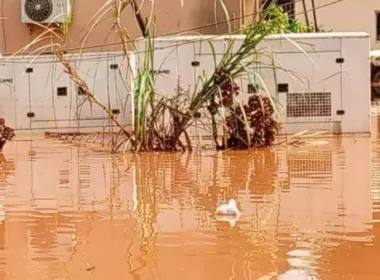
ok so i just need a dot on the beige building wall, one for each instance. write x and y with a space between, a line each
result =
250 8
348 15
171 17
345 16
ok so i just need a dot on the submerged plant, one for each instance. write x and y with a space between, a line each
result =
161 122
143 98
232 65
6 134
258 113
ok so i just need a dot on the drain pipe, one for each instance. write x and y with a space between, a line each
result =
139 18
305 13
314 15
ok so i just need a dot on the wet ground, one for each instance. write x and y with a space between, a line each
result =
309 212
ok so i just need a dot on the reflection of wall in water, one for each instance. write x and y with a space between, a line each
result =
47 196
3 258
7 167
311 167
376 171
315 165
325 187
51 176
330 185
263 175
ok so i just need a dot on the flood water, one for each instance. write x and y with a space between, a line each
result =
309 212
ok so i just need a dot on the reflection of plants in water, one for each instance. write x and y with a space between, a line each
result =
255 174
7 168
199 180
253 247
115 201
146 210
254 171
263 179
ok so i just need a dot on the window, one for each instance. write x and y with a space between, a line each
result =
286 5
378 26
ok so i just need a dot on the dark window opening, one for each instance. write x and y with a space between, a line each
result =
378 26
287 6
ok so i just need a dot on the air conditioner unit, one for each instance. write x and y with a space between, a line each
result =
44 11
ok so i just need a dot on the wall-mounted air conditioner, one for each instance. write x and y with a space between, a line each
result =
44 11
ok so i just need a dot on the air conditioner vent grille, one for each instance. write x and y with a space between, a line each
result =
38 10
313 104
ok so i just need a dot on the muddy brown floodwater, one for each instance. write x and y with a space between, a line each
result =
309 212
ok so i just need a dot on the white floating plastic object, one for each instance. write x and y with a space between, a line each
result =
228 219
229 209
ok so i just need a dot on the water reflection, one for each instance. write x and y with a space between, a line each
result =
306 199
72 213
7 168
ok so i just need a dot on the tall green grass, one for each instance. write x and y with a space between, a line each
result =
153 130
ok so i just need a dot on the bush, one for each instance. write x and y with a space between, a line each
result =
279 22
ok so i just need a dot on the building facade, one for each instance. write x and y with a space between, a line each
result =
335 15
171 17
347 15
185 17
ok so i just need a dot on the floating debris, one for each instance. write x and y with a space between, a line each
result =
229 209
